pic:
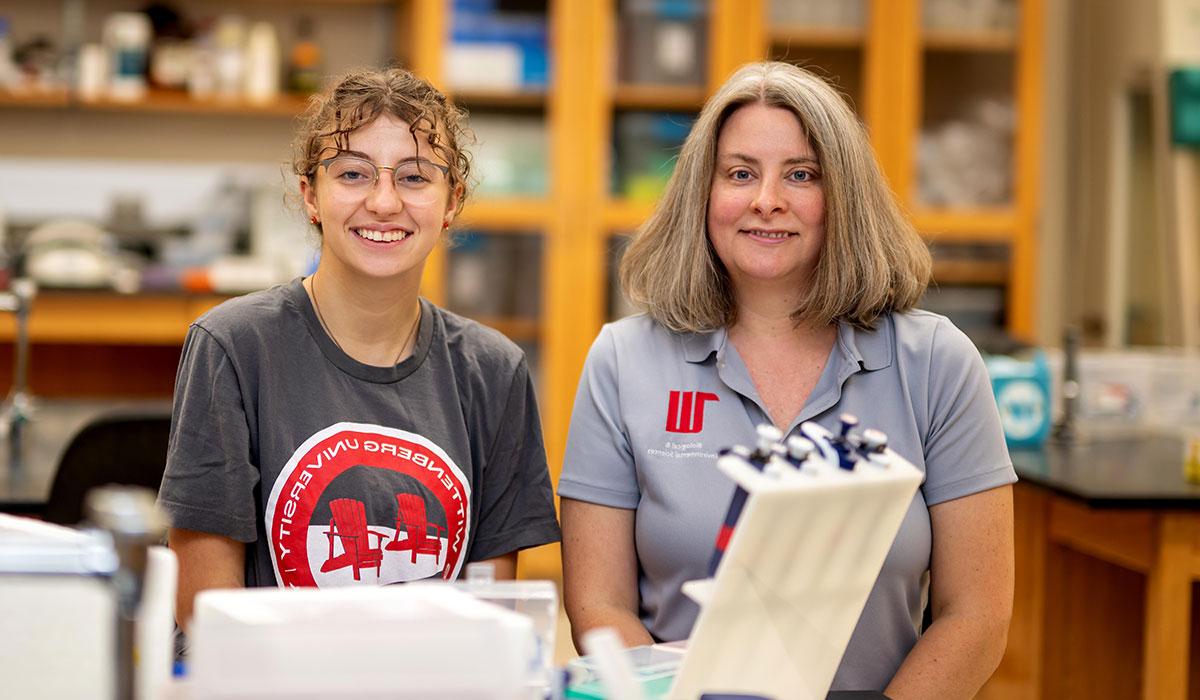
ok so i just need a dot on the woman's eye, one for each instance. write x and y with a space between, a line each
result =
803 176
740 174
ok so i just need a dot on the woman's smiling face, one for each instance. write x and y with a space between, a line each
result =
380 229
766 205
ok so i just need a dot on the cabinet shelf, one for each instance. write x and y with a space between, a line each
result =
970 272
501 99
626 215
666 98
160 101
995 41
80 318
517 329
817 37
515 214
968 225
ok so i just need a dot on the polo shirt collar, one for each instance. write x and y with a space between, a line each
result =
868 349
698 347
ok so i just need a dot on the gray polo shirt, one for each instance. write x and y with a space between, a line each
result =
654 407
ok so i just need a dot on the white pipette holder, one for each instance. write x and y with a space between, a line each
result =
810 542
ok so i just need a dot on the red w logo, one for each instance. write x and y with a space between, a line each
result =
685 411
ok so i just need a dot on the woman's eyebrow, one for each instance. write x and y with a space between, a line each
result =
754 161
364 156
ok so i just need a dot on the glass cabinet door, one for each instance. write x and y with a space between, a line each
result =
824 36
964 150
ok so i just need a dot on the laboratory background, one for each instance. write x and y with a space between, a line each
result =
1047 150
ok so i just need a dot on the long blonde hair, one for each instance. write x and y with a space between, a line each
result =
872 261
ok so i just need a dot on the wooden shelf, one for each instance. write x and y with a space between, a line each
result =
38 100
974 40
516 214
517 329
817 37
982 225
970 272
624 215
664 98
500 99
110 319
160 101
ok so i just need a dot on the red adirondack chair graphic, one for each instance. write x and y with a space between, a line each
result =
348 523
410 517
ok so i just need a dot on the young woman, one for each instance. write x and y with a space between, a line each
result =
339 429
778 279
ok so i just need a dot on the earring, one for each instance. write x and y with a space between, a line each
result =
445 225
314 220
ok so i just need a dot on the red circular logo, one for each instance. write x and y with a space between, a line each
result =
367 504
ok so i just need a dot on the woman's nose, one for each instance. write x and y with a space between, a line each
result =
768 199
384 197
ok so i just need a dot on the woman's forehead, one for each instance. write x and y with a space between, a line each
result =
386 135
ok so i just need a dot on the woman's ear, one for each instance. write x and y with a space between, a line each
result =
309 193
452 206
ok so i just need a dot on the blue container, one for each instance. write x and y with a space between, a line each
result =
1022 389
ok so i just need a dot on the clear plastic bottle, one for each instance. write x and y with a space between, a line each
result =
127 36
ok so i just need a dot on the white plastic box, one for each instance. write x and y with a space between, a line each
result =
428 642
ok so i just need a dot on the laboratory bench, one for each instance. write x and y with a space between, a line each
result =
1107 556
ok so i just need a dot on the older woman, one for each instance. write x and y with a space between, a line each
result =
338 429
778 279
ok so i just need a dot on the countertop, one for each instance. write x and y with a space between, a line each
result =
1137 472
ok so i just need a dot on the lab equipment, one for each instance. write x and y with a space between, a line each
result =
777 616
88 613
767 436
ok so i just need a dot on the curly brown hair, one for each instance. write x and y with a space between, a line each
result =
358 98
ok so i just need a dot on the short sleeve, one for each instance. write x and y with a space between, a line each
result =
599 466
210 478
517 501
965 452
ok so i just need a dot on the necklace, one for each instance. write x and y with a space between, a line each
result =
412 331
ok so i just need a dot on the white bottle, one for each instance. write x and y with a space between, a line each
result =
262 63
127 36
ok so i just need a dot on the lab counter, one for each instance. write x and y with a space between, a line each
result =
1107 552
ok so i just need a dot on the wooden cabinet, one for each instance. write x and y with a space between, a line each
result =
898 75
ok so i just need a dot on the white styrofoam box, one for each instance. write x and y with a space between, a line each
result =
483 66
777 617
363 642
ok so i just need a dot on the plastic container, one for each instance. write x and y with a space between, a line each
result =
127 37
663 42
262 63
414 641
1022 388
655 667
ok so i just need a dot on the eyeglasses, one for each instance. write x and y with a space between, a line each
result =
417 181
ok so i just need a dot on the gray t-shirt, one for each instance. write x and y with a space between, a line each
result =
654 407
336 472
